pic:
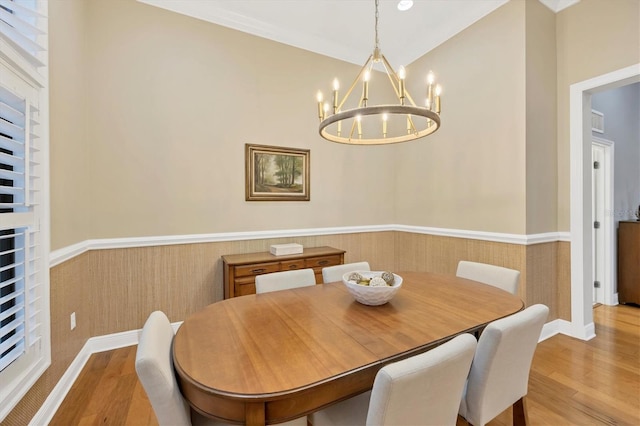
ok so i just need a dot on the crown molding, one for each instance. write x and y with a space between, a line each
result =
558 5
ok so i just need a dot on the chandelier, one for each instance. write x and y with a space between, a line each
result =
364 123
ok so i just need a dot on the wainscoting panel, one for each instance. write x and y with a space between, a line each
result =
433 253
541 275
563 285
69 292
130 283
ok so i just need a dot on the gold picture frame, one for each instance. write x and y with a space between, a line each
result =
276 173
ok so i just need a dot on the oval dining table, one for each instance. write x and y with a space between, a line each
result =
272 357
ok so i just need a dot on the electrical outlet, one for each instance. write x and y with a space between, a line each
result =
73 320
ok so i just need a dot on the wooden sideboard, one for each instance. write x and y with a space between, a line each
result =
629 262
240 270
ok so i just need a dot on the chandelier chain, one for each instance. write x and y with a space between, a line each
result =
377 40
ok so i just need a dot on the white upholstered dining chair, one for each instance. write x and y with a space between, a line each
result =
499 374
285 280
424 389
334 273
155 371
154 368
497 276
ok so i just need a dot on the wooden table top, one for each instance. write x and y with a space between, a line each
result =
283 347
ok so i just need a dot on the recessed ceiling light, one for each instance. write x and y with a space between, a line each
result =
405 5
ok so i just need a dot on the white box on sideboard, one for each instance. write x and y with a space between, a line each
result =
282 249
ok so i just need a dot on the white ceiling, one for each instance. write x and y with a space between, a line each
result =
344 29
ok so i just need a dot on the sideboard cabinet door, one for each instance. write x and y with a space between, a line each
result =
629 262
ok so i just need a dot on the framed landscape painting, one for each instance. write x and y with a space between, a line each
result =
276 173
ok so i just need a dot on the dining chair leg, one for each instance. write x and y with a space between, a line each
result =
520 416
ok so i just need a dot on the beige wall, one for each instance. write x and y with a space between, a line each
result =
471 173
541 113
161 149
594 37
70 146
173 101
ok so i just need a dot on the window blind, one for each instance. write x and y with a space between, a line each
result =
25 343
19 237
23 31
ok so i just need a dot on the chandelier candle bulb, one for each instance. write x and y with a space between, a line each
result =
431 78
359 120
384 125
438 91
320 107
336 87
365 88
401 74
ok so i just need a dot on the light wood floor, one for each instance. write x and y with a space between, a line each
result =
572 382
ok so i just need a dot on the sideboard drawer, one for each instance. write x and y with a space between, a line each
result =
291 265
246 288
240 270
257 269
322 262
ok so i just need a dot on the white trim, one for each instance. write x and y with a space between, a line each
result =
93 345
554 327
238 19
580 192
67 253
558 5
560 326
608 220
57 395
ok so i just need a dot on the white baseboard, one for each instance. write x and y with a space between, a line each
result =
93 345
554 327
55 398
565 327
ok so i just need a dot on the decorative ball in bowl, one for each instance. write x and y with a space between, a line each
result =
372 288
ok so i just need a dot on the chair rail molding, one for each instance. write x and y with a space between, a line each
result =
64 254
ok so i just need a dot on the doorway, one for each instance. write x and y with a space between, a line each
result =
603 230
580 137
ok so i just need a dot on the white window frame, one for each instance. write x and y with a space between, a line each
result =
26 74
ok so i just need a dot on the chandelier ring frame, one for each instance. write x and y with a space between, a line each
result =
394 109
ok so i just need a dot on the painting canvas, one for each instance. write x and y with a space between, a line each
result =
276 173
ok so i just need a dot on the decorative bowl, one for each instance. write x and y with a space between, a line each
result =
368 295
